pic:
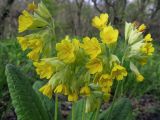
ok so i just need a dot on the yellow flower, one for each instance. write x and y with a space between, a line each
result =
91 46
135 70
109 35
85 90
32 6
147 49
76 44
143 61
35 44
139 77
23 42
105 82
94 65
104 79
25 21
46 90
44 69
61 89
31 42
73 97
148 38
101 21
33 55
118 72
135 24
65 51
141 28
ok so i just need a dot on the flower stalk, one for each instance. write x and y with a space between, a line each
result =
56 107
83 112
73 111
114 100
97 111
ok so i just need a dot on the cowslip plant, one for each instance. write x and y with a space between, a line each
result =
82 69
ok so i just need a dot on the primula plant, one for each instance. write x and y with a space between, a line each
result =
87 68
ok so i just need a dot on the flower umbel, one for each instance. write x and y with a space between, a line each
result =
84 68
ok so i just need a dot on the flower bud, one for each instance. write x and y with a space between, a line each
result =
134 69
128 28
43 11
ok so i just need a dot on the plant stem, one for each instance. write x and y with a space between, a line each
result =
83 112
114 98
73 111
134 90
53 39
122 87
97 111
56 107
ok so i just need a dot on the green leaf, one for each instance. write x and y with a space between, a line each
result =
47 103
3 60
24 99
122 110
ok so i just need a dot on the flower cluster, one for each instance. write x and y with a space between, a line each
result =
36 19
139 47
84 68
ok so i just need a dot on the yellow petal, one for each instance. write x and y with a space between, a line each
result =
109 35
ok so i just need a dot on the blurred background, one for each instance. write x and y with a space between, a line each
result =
73 17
